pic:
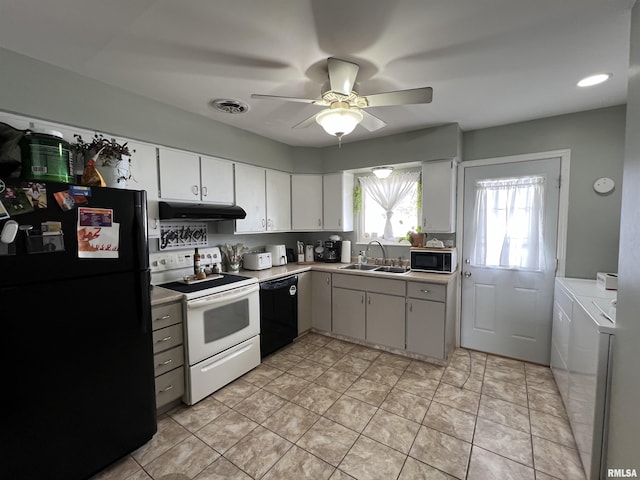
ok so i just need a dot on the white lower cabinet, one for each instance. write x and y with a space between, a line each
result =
305 290
425 327
321 301
369 309
168 353
349 312
431 318
385 320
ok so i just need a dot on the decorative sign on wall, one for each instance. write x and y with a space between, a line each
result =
182 235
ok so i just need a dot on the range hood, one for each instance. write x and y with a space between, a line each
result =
199 211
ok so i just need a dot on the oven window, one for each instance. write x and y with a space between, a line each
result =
222 321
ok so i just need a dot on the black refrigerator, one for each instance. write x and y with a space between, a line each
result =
78 357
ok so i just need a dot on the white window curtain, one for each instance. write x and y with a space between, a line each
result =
389 193
509 223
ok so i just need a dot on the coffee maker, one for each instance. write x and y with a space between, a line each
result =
332 251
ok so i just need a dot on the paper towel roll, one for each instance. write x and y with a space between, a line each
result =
346 252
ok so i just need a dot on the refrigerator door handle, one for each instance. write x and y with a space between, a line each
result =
140 223
145 301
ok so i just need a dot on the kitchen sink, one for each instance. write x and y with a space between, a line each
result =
375 268
359 266
389 269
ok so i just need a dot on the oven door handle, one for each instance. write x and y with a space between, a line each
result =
222 297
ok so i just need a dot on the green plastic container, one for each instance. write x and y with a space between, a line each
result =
45 158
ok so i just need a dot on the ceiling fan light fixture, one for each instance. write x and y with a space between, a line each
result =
339 121
382 172
594 79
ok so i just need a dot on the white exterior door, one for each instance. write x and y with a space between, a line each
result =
509 257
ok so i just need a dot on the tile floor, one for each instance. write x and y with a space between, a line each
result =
322 408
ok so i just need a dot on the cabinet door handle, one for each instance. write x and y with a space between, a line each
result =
319 222
165 339
411 307
339 222
369 300
194 189
425 291
362 299
205 191
328 280
170 387
263 222
164 317
165 363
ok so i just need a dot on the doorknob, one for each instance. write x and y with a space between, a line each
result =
467 274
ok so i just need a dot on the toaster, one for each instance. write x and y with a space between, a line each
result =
278 254
256 261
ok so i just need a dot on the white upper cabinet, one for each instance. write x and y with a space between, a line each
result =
266 197
179 175
338 202
216 179
181 178
251 196
144 176
278 198
439 180
306 202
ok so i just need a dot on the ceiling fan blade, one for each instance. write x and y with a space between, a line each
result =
371 122
400 97
342 75
307 122
289 99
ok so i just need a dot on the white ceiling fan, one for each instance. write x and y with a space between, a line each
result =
344 108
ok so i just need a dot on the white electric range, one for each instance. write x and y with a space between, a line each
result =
221 320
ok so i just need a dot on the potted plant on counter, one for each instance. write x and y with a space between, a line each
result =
110 158
415 237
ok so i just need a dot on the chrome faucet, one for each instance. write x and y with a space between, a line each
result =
384 254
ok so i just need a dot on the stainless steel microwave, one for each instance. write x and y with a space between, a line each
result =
434 260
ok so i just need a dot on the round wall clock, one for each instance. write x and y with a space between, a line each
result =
603 185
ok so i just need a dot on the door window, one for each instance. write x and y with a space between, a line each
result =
509 223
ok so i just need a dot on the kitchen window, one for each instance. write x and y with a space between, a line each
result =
388 207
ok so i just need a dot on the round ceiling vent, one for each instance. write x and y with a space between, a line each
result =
226 105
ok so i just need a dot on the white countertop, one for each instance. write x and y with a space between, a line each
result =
293 268
161 295
586 292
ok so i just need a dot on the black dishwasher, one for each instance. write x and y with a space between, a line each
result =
278 313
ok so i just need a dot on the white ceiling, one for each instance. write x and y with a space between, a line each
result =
490 62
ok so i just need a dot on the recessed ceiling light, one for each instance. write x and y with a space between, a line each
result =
594 79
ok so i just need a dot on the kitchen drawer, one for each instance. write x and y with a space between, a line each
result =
369 284
166 315
167 338
169 387
427 291
168 360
